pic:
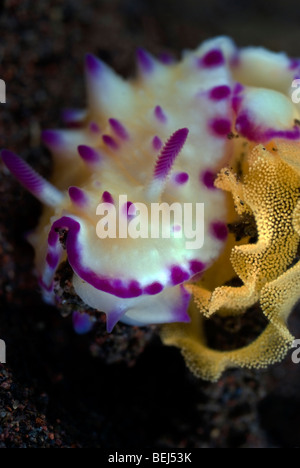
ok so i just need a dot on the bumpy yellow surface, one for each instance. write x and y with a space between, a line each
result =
269 191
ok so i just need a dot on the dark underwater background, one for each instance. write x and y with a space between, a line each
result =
126 390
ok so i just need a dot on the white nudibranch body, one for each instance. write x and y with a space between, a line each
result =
158 138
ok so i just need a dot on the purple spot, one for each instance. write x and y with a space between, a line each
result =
181 178
134 289
88 154
213 58
178 275
117 288
160 115
129 206
52 138
107 198
157 143
220 92
219 230
169 153
221 127
176 228
110 142
119 129
94 127
78 196
93 65
145 61
197 267
154 288
82 323
208 179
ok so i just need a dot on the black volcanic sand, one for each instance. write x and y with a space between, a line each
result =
63 390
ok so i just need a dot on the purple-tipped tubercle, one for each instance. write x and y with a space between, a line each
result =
160 115
129 210
157 143
208 178
119 129
219 93
213 58
110 142
89 155
145 61
78 197
181 178
94 127
178 275
93 65
107 197
197 267
154 288
219 230
220 126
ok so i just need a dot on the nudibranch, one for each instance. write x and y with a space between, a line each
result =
159 138
163 137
